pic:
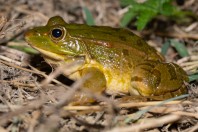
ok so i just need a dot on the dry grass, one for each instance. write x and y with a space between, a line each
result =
32 100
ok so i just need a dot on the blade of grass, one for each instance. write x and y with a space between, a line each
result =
165 47
88 16
25 49
128 16
140 113
144 18
193 77
180 47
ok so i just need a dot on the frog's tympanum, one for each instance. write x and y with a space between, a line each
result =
118 60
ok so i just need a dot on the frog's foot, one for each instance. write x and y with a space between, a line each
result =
168 95
158 80
96 83
133 98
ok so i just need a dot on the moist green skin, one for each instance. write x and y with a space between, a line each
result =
123 61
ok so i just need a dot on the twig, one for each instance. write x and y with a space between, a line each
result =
32 105
31 71
71 92
18 83
58 71
123 105
189 58
140 113
193 129
148 124
10 60
182 113
33 121
189 63
176 35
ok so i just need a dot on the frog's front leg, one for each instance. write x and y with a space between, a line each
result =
158 80
95 83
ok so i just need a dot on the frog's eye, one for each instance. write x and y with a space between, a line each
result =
57 33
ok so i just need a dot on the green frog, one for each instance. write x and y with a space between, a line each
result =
118 61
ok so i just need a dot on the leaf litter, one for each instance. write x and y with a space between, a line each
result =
33 99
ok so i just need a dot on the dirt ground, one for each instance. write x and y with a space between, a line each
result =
35 97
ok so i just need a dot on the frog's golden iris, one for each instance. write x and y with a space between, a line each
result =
118 60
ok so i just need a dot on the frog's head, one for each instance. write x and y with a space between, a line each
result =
53 40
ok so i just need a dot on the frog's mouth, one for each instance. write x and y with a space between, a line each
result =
49 54
57 57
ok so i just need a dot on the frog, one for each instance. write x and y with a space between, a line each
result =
119 61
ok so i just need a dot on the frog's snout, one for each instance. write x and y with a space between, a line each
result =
27 34
30 33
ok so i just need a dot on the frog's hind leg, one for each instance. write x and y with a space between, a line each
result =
158 80
95 83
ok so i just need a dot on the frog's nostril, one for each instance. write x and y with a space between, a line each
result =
27 33
30 33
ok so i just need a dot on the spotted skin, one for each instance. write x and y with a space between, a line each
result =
123 62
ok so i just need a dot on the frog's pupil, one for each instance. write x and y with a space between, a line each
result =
56 33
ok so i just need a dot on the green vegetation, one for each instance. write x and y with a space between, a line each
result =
88 16
193 77
145 12
26 49
180 47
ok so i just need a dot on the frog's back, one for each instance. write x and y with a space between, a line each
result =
118 38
